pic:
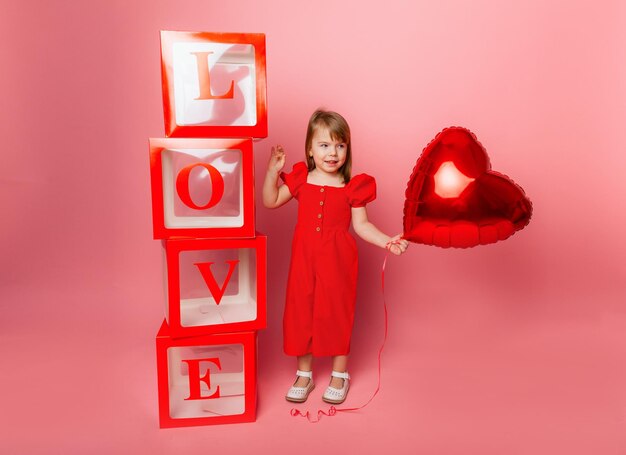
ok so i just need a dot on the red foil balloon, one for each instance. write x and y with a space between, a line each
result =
454 199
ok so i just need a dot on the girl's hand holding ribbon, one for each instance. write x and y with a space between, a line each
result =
397 245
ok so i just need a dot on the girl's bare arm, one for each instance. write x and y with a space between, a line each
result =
370 233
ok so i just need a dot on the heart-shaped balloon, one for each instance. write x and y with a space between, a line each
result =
454 199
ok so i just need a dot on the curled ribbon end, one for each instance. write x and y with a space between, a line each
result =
296 412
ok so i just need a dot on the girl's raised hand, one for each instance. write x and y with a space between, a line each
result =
397 245
277 159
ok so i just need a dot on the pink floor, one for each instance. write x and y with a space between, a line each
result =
535 380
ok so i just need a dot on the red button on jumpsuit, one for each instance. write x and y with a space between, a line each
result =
321 289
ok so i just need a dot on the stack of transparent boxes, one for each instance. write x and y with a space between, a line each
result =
202 180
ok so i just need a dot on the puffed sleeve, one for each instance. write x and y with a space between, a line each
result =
361 190
296 178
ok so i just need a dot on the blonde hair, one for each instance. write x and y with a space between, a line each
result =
339 131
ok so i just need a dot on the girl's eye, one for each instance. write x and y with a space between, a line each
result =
324 145
342 146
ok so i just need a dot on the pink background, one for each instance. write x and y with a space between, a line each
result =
514 348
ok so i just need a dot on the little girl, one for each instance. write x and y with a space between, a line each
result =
321 289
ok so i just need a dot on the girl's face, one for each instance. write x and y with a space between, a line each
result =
328 154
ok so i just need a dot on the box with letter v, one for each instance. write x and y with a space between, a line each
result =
215 285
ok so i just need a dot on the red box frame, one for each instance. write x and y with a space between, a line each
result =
168 38
165 341
173 247
160 231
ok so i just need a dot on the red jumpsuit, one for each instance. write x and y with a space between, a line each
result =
321 289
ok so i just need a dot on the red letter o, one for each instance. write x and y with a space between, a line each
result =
182 186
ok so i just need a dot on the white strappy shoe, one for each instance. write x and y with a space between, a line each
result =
300 394
334 395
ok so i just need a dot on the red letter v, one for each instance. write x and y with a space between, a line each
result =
209 279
